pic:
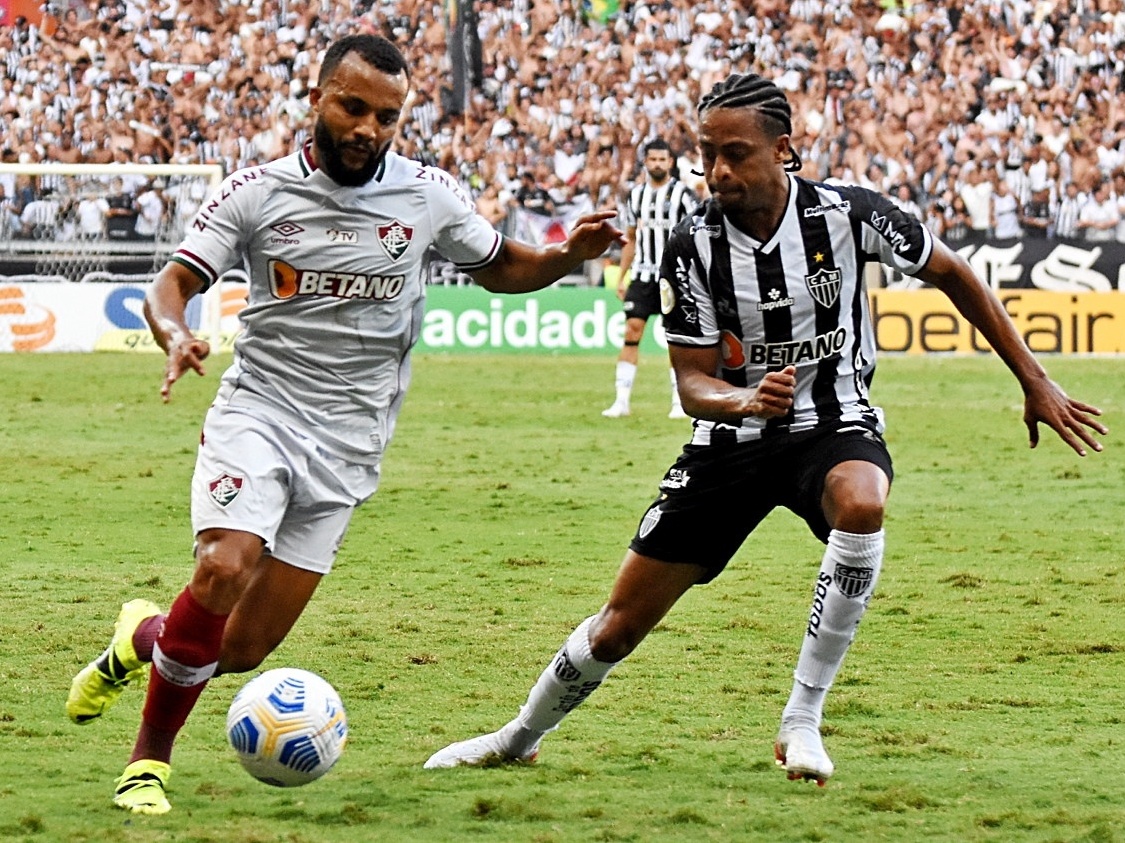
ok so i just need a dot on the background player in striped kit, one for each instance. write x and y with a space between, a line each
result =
648 216
334 238
769 331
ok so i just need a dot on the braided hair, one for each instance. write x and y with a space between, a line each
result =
749 90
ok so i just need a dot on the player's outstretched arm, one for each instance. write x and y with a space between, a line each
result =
1044 401
165 311
523 268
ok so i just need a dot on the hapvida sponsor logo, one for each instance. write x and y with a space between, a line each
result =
776 301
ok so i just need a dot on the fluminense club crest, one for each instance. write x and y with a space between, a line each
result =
395 238
224 488
824 286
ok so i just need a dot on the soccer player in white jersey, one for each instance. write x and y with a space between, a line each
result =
648 216
334 237
769 331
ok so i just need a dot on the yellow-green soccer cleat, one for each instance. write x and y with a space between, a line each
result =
141 787
98 685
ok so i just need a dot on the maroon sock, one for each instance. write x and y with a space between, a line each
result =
145 636
189 644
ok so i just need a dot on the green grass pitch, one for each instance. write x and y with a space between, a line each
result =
982 700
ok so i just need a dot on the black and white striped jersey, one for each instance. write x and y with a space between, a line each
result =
655 211
798 298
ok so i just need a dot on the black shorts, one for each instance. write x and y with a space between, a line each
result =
713 497
642 299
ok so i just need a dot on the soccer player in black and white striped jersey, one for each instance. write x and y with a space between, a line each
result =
769 332
648 216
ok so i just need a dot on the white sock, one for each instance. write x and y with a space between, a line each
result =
623 381
675 390
847 578
571 676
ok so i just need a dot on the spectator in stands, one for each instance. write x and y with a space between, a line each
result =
1119 197
956 230
41 217
1005 212
149 206
903 196
9 218
1037 215
1099 216
90 213
493 206
121 218
977 196
955 83
533 197
1067 213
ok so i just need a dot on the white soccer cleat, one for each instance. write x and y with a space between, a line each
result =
617 411
800 752
677 412
485 751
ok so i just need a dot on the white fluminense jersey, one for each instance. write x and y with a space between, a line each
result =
798 299
336 290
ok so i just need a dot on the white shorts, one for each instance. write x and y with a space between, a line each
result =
260 477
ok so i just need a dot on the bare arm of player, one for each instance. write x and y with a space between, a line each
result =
165 311
523 268
1044 400
704 396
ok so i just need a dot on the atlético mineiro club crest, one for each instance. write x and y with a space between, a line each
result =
852 581
824 286
395 238
224 488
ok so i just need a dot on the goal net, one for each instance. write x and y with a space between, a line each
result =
85 223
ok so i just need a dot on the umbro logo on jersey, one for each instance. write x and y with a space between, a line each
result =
824 286
395 238
286 232
287 229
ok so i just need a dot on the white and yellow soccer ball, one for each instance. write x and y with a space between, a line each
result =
287 726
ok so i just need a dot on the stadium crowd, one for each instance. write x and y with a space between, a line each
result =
988 118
